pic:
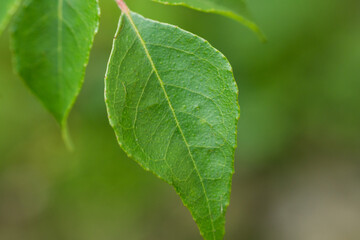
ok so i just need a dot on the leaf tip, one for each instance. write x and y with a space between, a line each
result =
66 136
261 35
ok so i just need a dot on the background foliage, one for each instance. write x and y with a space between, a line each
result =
297 164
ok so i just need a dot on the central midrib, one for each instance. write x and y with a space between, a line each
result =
59 42
174 114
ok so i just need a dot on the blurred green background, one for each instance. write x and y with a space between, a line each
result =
297 163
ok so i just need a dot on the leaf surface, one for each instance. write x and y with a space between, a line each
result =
7 9
235 9
51 43
172 102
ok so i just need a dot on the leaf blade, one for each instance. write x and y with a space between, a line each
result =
235 9
142 103
51 45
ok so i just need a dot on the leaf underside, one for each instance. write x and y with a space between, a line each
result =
172 102
235 9
7 9
51 42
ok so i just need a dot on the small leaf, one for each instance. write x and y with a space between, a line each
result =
172 102
7 9
52 42
235 9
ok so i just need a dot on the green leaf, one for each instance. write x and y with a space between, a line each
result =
51 43
172 102
7 9
235 9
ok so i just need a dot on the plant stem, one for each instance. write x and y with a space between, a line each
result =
122 5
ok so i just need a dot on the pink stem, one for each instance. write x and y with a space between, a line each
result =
123 6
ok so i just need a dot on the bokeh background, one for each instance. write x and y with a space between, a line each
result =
297 164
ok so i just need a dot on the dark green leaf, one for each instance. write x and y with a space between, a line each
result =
235 9
172 101
51 42
7 9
